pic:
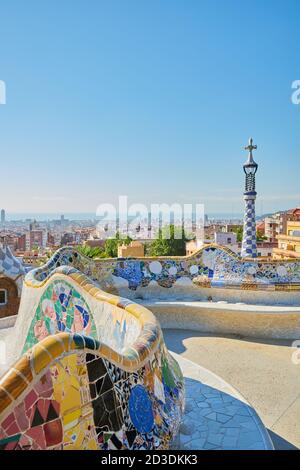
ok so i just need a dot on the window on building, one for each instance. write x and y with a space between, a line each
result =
3 296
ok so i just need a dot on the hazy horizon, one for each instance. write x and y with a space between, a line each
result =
45 216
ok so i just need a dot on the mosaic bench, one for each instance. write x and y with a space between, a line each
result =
212 266
93 371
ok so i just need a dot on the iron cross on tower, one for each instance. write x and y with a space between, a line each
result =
251 147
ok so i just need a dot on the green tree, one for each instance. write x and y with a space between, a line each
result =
239 234
171 241
260 237
109 250
111 247
91 251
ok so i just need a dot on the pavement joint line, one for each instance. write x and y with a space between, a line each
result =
285 411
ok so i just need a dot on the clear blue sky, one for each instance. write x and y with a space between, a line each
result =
151 99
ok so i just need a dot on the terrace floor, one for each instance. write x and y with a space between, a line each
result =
216 416
261 370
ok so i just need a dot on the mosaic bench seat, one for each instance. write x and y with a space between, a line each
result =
93 371
213 266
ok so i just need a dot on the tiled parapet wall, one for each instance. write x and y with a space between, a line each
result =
70 391
212 266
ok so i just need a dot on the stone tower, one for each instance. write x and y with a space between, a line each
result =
249 248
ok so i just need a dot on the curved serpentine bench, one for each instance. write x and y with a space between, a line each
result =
213 271
93 371
262 295
92 368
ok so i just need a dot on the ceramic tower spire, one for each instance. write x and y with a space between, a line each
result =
249 248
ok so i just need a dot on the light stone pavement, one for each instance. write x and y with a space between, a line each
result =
261 370
216 416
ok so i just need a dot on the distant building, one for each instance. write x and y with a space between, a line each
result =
275 225
220 237
63 222
232 227
194 245
211 229
10 240
70 238
50 240
135 249
21 244
95 242
226 238
36 237
289 243
2 216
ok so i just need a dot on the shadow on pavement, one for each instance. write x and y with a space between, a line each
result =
280 443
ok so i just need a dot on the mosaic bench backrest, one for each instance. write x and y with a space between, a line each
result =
212 266
72 392
93 372
69 302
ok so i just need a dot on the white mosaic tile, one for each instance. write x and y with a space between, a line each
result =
217 417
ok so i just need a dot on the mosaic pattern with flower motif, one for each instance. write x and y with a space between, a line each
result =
73 390
212 266
61 308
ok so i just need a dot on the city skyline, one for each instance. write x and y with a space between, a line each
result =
153 101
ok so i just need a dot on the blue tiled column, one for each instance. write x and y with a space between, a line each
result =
249 248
